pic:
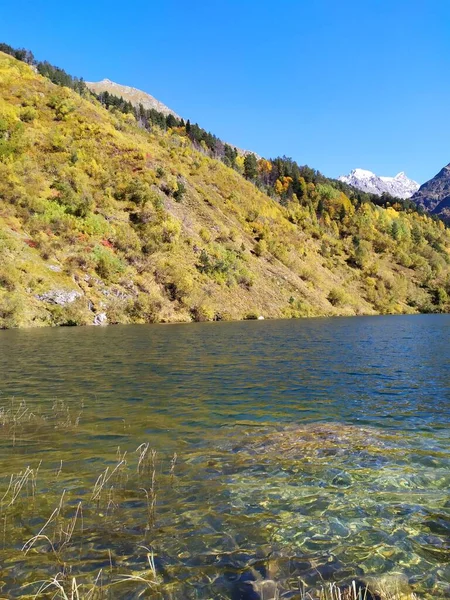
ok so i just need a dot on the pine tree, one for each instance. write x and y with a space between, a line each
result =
250 166
171 121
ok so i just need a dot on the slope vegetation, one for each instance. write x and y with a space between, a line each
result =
102 220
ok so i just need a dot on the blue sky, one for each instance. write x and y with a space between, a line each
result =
336 84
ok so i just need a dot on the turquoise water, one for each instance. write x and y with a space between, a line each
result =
305 451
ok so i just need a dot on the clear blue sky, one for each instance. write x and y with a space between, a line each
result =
336 84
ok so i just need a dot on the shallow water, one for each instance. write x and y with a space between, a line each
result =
306 450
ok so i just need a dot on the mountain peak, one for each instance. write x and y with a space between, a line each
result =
362 173
131 94
399 186
434 195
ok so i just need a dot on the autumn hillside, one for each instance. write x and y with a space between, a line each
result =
102 220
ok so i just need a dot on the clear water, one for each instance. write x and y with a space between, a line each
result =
306 451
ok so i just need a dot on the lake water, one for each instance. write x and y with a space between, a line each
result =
302 451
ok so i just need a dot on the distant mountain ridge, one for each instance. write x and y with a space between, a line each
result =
434 195
131 94
399 186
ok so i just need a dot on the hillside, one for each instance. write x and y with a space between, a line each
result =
104 220
107 90
434 195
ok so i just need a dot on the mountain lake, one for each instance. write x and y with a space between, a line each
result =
185 461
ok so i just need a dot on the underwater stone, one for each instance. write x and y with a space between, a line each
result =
342 480
337 528
256 590
440 524
298 566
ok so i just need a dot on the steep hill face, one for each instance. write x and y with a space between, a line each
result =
138 97
399 186
130 94
104 222
434 195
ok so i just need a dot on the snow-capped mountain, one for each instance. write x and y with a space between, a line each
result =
399 186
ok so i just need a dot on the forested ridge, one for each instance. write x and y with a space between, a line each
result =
117 213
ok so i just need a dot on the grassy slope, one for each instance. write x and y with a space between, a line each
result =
86 204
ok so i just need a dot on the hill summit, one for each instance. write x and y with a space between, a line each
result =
131 94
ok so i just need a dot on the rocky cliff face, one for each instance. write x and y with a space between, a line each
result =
434 195
399 186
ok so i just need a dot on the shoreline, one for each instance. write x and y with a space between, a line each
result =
216 321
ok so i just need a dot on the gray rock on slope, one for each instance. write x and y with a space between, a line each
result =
61 297
100 319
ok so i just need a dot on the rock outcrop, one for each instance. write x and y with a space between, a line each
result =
434 195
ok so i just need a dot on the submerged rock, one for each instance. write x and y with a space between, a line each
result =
266 589
317 440
269 589
342 480
439 524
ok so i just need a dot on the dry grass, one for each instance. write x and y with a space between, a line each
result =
63 530
20 483
118 474
65 588
18 418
